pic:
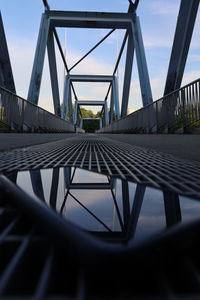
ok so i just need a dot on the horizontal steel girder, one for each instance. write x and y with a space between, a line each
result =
90 102
89 19
90 78
90 186
91 119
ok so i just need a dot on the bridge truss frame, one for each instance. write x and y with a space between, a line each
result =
133 36
67 99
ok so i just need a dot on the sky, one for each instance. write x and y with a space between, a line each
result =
158 18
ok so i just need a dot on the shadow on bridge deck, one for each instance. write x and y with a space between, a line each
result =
18 140
184 146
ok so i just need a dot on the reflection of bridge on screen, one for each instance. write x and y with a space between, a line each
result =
111 211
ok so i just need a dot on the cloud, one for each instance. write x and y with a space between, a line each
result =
161 7
89 65
189 77
159 30
22 56
194 57
157 41
157 88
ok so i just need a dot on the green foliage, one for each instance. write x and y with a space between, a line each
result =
90 125
86 113
98 114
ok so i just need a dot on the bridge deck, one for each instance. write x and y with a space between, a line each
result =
184 146
181 146
108 156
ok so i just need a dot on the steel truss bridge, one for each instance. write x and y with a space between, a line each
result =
45 256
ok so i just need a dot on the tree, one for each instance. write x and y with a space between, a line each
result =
86 113
98 114
90 125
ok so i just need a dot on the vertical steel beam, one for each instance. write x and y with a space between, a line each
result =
6 76
116 96
65 106
141 63
100 123
136 208
54 188
75 112
106 113
111 112
127 75
53 73
35 83
36 181
182 38
81 123
172 208
126 203
67 177
69 108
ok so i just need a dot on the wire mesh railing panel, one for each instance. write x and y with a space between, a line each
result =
180 109
21 115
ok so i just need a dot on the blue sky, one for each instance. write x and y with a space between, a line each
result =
158 20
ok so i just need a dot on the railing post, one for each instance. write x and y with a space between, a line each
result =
156 117
38 120
167 127
22 123
183 111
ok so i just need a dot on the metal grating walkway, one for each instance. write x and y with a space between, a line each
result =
106 156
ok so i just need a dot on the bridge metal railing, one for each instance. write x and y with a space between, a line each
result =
177 110
18 114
